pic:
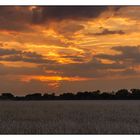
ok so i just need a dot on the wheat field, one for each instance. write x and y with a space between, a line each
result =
70 117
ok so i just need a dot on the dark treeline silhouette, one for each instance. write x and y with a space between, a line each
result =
122 94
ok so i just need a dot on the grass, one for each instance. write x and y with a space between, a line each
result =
70 117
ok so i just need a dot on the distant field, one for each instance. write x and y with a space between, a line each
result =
70 117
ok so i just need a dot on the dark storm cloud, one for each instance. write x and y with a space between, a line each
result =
4 52
15 18
9 70
109 32
24 58
58 13
127 53
17 55
19 18
92 69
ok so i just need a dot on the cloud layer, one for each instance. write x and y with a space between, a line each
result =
61 48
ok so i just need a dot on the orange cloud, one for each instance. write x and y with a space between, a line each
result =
52 78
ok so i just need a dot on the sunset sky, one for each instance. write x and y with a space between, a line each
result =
69 49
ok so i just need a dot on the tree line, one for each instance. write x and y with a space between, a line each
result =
122 94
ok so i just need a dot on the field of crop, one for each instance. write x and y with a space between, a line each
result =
70 117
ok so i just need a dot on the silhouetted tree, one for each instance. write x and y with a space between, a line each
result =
7 96
87 95
47 96
67 96
19 98
80 96
135 93
35 96
106 95
96 94
122 93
